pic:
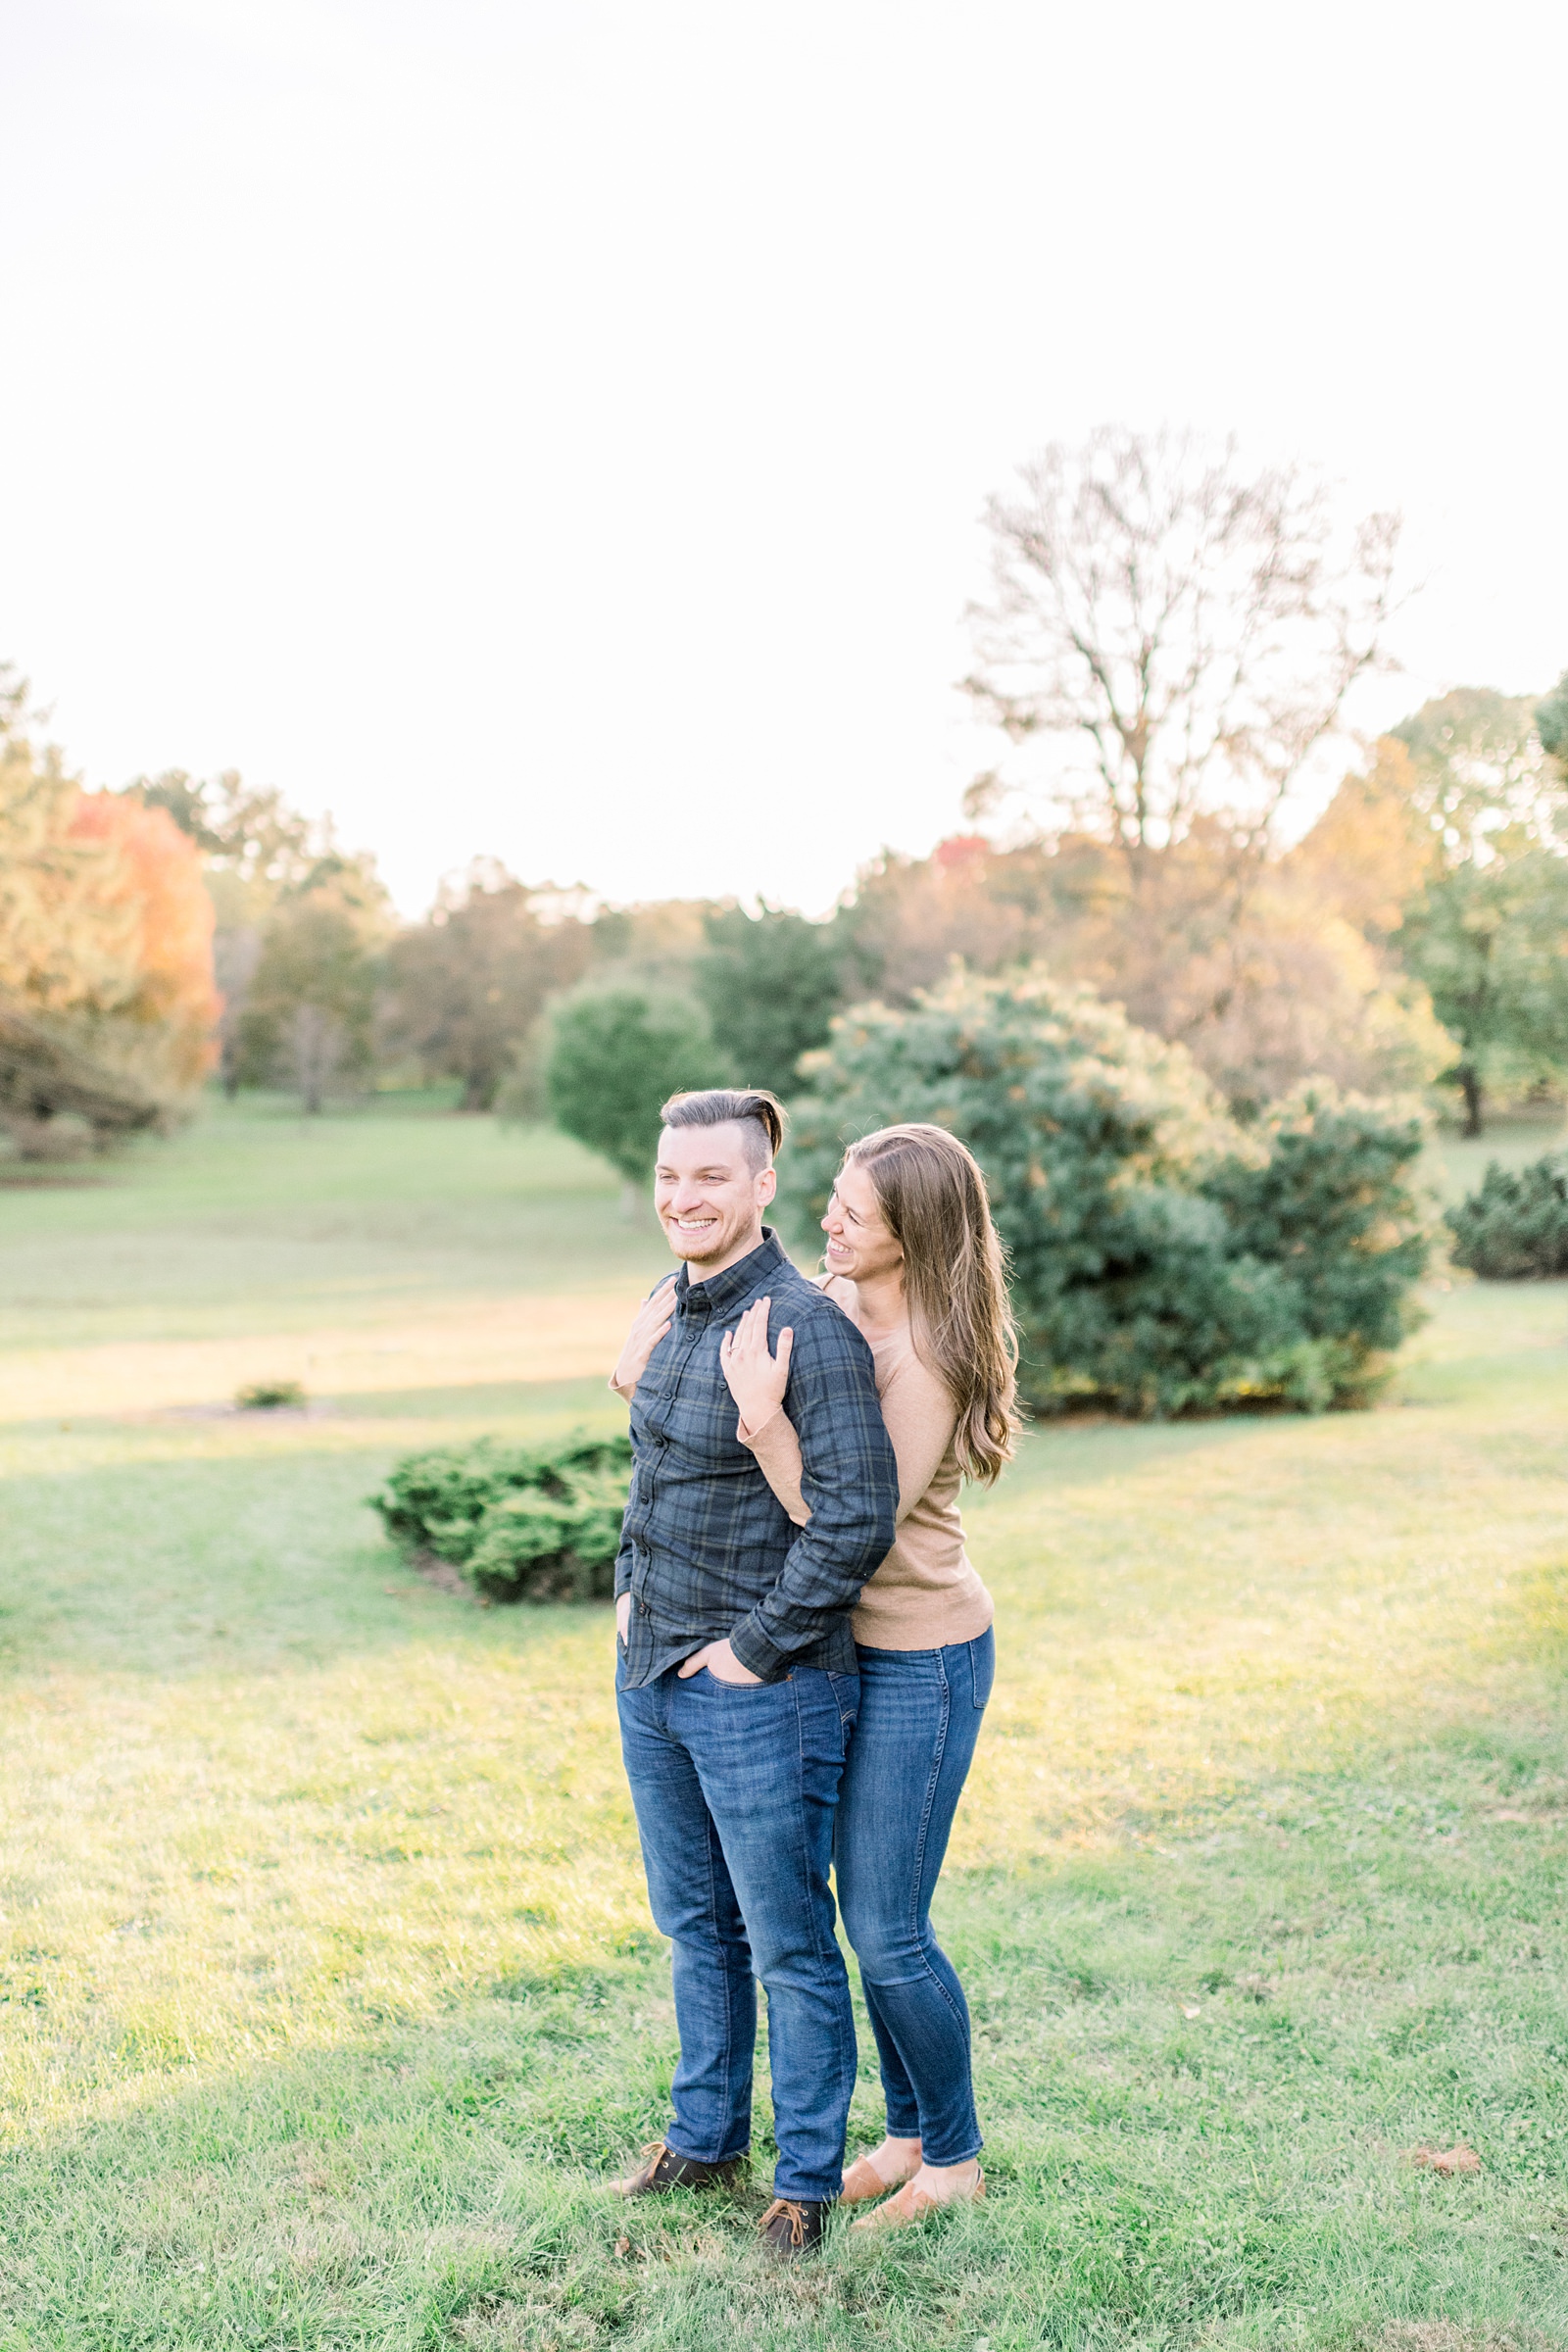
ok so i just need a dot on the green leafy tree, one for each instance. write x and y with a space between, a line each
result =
1486 934
1490 943
1551 725
615 1056
1163 1260
1480 776
771 983
465 987
247 832
309 1019
259 856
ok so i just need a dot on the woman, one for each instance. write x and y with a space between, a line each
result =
914 1260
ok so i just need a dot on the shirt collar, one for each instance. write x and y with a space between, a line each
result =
723 1291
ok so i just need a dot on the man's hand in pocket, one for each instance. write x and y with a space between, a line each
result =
721 1663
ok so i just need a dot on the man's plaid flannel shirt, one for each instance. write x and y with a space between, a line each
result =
707 1550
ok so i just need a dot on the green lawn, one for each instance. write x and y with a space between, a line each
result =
327 1989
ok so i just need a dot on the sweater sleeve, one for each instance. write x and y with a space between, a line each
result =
849 1485
778 1457
920 1420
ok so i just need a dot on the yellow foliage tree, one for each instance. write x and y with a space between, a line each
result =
67 939
1373 849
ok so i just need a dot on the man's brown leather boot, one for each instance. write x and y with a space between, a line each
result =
658 2169
792 2226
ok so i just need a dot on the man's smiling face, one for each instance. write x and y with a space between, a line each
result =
710 1188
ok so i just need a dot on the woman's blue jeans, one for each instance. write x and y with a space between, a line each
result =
919 1717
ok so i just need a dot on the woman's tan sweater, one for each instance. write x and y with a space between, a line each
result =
925 1594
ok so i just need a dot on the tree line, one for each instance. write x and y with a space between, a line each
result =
1165 656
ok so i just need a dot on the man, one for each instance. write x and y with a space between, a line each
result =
736 1676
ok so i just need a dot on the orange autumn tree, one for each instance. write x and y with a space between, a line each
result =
168 1020
107 1001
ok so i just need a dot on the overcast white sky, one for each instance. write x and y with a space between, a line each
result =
558 428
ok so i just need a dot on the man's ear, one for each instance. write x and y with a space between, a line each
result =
766 1185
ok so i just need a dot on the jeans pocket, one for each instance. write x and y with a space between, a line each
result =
740 1689
983 1666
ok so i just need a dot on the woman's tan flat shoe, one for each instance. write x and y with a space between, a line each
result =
911 2204
862 2182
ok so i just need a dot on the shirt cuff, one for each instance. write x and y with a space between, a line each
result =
623 1577
749 1437
757 1652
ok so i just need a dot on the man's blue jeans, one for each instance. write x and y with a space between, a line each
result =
736 1787
920 1718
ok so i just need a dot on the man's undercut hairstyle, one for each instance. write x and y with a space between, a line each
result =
758 1114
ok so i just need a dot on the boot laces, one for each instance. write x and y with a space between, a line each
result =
793 2211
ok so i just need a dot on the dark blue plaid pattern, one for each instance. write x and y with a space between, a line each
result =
707 1550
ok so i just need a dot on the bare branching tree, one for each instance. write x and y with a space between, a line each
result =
1183 628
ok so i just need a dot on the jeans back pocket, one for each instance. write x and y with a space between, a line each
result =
983 1666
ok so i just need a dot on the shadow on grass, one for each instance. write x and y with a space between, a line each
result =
1197 2085
263 1563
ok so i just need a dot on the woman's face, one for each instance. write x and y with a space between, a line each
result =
859 1244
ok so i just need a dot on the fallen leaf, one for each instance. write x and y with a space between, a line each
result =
1508 1816
1186 2012
623 2248
1447 2160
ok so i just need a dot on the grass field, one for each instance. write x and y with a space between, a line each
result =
327 1989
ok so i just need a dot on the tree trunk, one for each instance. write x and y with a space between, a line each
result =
631 1200
1470 1088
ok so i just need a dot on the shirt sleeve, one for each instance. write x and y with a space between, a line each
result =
849 1484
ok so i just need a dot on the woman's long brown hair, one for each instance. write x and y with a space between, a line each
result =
932 1196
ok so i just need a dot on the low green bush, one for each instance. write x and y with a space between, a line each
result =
534 1523
268 1396
1163 1258
1515 1227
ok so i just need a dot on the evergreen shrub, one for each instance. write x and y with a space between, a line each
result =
269 1395
1516 1225
520 1523
1163 1258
